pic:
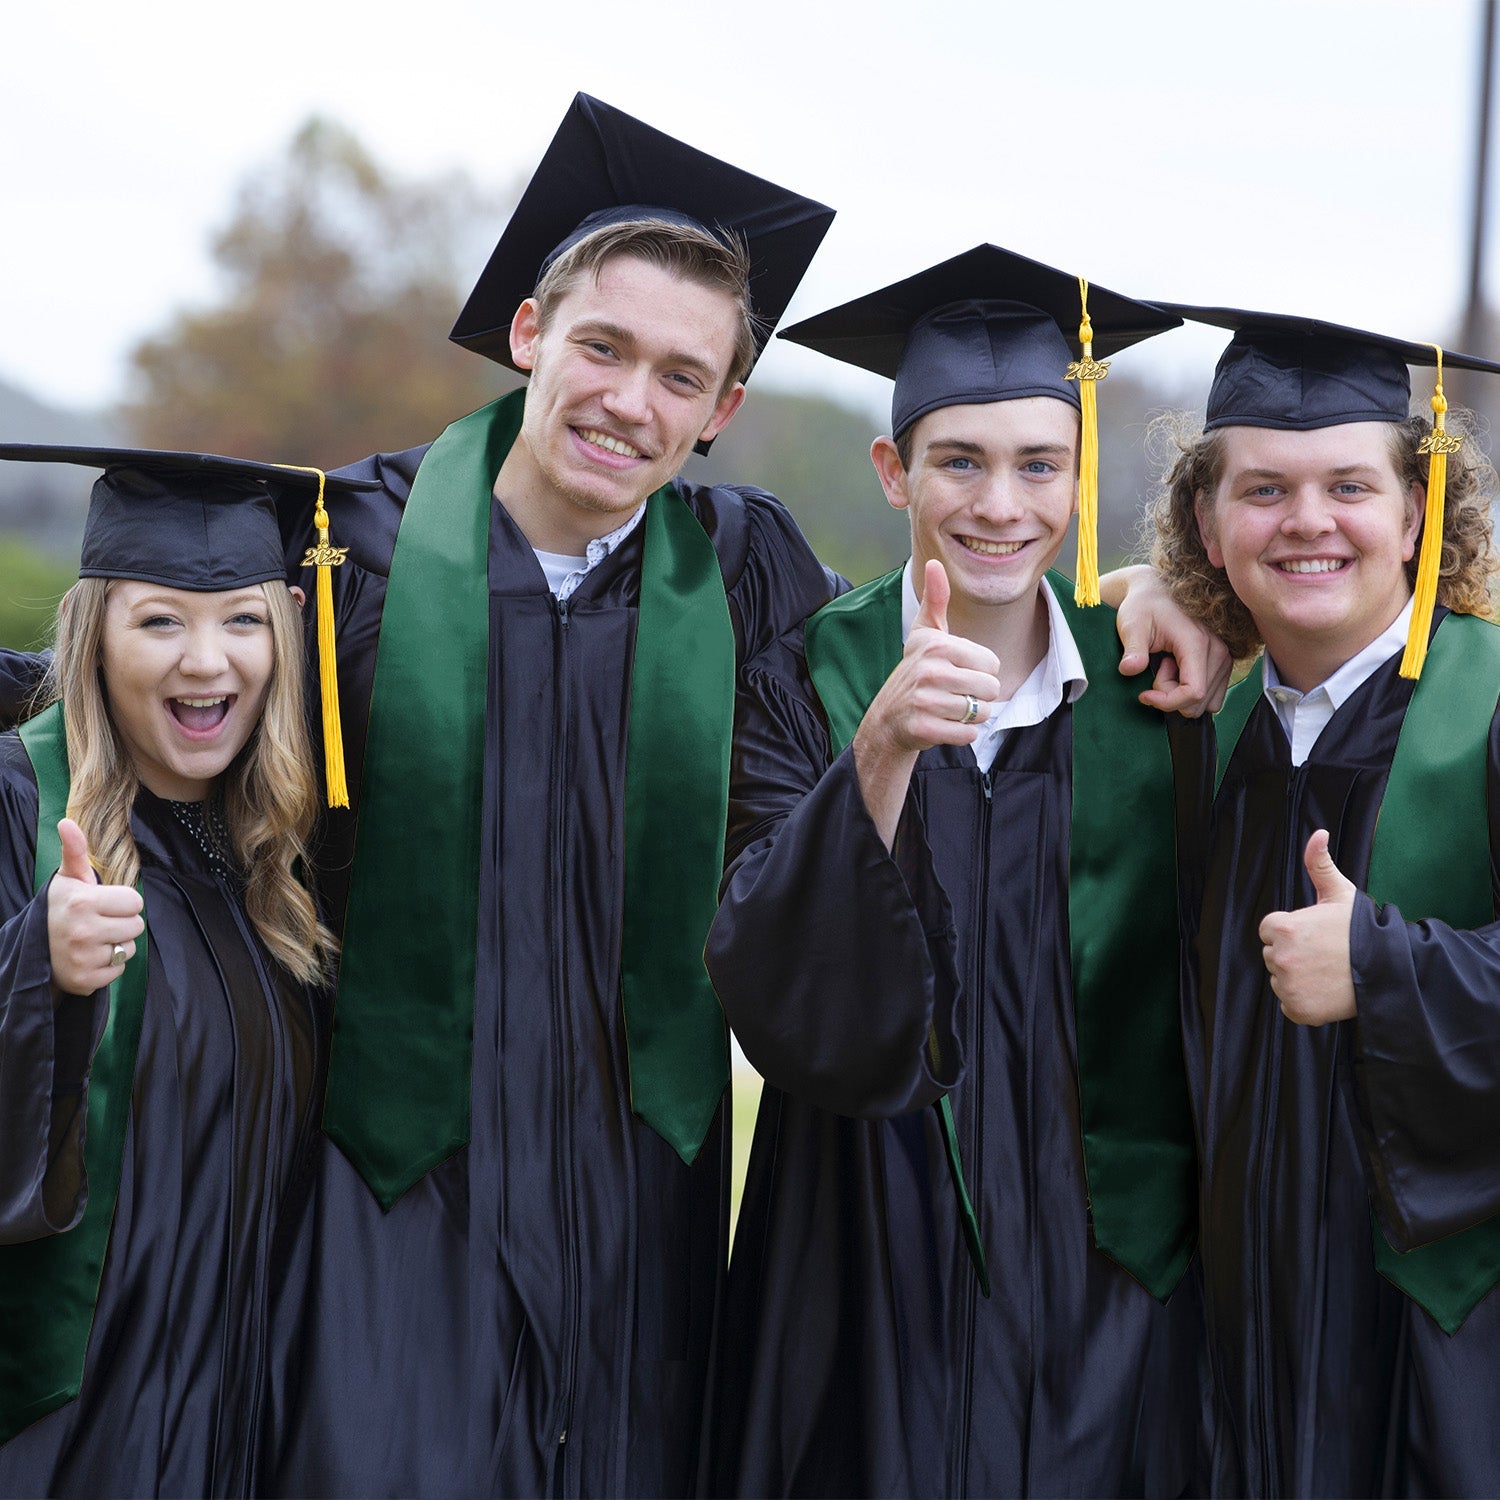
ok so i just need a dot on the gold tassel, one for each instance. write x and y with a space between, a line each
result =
1086 371
325 558
1437 445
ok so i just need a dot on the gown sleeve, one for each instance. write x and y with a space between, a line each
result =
21 674
834 959
45 1048
1427 1060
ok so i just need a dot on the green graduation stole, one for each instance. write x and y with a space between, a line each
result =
49 1287
1430 858
1136 1123
399 1075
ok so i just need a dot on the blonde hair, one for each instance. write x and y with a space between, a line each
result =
270 796
1192 465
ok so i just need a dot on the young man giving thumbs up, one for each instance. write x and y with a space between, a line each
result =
948 940
1350 1171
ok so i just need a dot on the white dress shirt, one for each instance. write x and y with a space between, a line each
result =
565 573
1058 675
1304 716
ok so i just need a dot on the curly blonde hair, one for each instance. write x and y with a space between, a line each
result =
1191 462
270 796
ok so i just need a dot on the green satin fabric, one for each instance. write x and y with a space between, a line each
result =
1431 858
398 1075
677 758
1138 1144
49 1287
399 1078
1134 1112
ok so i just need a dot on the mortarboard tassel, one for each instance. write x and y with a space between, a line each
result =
1437 445
325 558
1086 371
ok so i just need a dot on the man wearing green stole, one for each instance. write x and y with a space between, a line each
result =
948 940
521 1240
1342 1004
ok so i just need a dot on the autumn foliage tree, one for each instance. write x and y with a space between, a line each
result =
331 341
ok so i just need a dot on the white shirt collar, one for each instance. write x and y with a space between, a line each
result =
1304 716
1057 676
564 572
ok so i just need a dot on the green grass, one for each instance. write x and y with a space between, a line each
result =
746 1086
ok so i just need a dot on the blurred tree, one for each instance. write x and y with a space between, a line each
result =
331 341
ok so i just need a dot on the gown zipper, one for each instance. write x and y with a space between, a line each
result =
1285 896
562 1039
976 1165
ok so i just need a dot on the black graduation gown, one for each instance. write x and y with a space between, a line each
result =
1329 1380
183 1369
535 1315
859 1357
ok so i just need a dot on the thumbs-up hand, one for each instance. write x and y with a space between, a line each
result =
91 928
932 613
943 689
1307 951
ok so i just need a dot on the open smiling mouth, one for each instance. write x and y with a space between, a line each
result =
1314 565
199 715
991 549
608 443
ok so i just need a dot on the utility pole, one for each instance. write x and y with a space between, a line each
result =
1475 314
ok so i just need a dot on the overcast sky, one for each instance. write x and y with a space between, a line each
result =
1296 155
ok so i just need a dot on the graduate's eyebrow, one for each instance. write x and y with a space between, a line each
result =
954 445
599 327
950 446
1343 471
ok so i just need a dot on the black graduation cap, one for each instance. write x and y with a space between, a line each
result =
1298 373
987 325
606 167
191 521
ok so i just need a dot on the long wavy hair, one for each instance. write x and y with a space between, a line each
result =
1191 462
270 796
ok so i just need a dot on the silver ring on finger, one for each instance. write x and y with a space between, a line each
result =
971 709
117 956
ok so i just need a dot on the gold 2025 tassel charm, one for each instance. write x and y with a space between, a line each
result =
1086 372
1437 445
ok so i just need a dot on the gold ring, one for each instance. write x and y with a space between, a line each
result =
117 955
971 709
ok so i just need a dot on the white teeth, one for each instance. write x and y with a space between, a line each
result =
609 444
992 549
1313 565
202 702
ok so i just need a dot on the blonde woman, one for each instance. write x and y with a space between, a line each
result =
161 1027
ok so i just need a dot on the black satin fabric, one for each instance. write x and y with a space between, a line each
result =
859 1357
535 1316
183 1367
1329 1381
